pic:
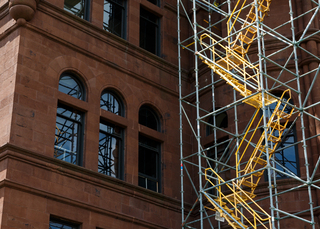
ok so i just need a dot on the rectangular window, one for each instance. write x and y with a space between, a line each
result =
79 8
149 31
149 163
286 156
114 17
111 150
61 224
69 135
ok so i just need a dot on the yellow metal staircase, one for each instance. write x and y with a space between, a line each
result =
230 64
248 30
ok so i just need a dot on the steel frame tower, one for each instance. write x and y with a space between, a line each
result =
283 56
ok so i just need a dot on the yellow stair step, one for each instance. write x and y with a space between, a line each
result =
260 161
277 126
250 29
245 39
229 62
252 16
283 115
263 8
221 203
234 216
273 138
234 224
256 174
256 100
239 49
233 197
249 184
263 149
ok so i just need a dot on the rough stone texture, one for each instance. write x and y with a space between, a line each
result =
34 185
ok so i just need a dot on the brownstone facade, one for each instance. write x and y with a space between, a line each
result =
39 41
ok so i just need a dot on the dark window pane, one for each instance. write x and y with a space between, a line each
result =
149 31
221 122
70 86
76 7
58 224
113 17
142 182
149 163
149 143
147 117
152 185
110 150
112 103
287 157
68 135
154 2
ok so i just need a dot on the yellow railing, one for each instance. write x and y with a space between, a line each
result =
228 62
238 204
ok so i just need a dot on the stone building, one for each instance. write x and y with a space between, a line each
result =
89 104
89 113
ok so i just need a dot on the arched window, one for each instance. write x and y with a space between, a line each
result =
149 151
110 101
221 122
149 118
110 160
69 122
286 155
70 85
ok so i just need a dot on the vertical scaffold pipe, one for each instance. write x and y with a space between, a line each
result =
180 112
264 111
196 72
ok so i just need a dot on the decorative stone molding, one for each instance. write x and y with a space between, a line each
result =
22 10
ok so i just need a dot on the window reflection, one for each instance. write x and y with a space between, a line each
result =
110 102
68 132
70 86
286 154
76 7
113 17
59 224
110 150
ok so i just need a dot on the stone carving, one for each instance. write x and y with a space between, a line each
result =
22 10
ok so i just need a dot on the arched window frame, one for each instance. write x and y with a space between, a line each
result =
80 93
69 132
151 112
115 97
111 136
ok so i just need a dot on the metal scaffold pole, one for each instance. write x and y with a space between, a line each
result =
249 105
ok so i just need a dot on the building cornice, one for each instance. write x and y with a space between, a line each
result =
54 165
